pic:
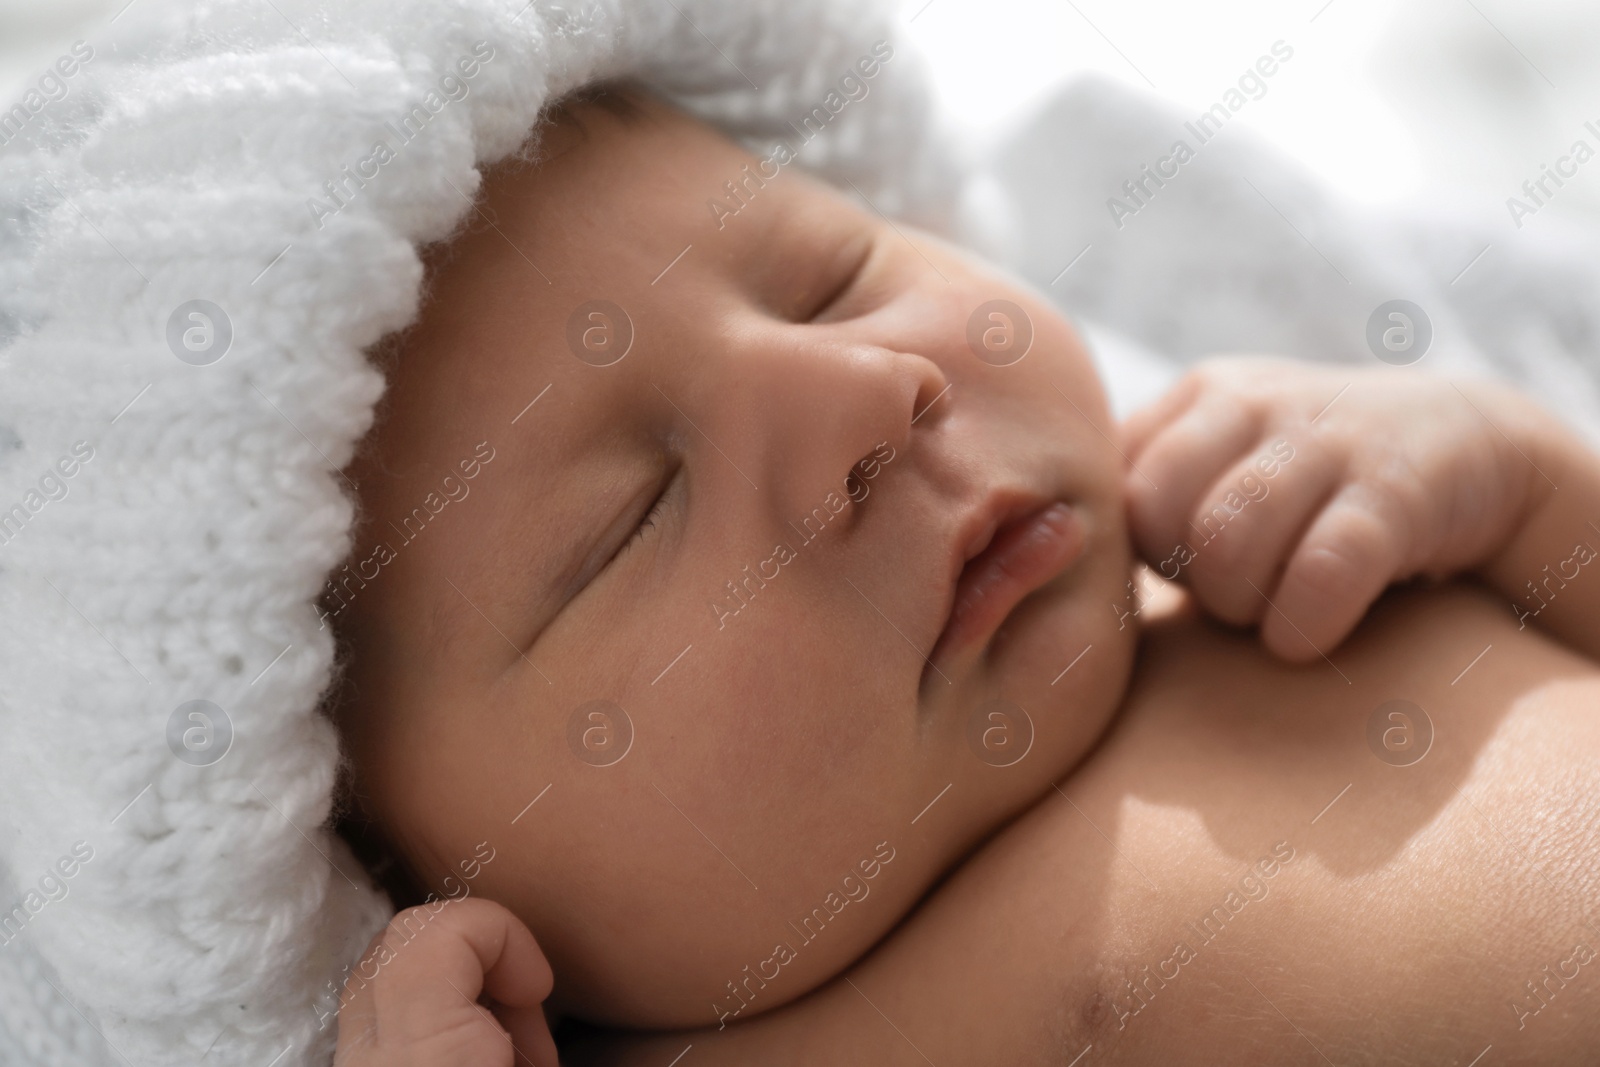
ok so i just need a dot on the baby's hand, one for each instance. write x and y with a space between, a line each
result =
1292 495
421 1008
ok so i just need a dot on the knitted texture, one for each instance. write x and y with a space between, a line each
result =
189 159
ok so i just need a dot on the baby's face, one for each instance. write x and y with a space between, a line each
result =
696 610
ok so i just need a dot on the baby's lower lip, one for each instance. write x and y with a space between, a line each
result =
1023 556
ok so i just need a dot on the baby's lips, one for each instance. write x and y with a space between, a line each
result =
1021 558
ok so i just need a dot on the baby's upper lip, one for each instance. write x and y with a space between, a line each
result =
997 509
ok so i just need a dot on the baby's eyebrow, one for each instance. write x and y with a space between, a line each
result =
800 256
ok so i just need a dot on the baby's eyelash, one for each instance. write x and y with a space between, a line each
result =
649 520
843 285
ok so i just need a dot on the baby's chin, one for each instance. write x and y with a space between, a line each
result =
1046 687
1065 656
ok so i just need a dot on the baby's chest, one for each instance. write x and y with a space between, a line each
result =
1345 837
1252 837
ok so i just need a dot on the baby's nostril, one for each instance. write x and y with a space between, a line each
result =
927 397
855 487
857 483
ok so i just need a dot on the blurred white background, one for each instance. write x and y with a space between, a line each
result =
1391 101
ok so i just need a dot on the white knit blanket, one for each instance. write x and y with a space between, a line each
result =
179 559
169 502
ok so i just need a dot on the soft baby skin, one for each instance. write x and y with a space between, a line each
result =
785 660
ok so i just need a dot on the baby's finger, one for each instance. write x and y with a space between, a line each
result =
434 963
531 1031
1182 462
1138 428
516 973
1350 554
519 981
1245 527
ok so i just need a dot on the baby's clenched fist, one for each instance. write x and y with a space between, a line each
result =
421 1008
1292 495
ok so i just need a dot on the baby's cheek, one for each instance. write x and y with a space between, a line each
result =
804 749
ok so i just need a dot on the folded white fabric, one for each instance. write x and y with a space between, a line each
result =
1238 249
207 212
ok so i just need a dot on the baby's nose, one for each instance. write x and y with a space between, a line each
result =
820 408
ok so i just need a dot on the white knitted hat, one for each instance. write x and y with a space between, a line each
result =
198 239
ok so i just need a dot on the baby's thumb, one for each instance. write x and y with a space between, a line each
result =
530 1033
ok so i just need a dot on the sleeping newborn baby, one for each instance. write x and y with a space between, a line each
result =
747 661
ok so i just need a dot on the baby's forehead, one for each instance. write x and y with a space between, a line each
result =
613 228
598 159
